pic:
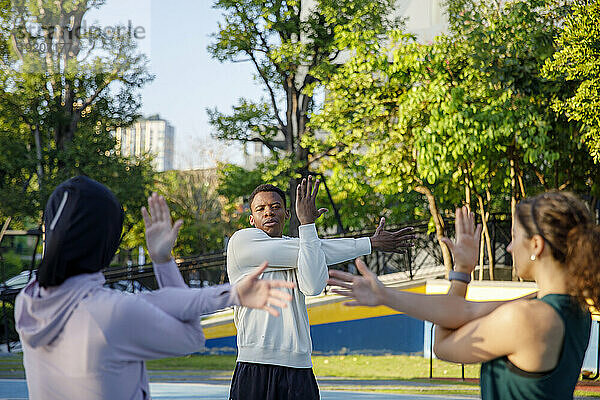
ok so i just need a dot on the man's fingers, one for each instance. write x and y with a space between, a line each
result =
322 211
309 186
353 303
380 226
403 236
337 282
146 217
316 189
404 243
303 188
404 231
345 276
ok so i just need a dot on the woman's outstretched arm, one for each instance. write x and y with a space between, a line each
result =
450 310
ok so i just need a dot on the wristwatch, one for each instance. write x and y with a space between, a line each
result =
459 276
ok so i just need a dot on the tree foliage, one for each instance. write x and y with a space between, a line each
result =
289 43
577 62
63 90
467 118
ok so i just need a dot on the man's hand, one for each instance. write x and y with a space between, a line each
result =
261 294
366 290
394 242
306 195
466 248
161 234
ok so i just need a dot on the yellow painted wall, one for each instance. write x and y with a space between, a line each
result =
331 308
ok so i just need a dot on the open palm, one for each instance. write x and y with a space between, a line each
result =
465 249
366 290
161 233
262 294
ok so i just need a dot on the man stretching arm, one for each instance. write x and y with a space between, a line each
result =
274 356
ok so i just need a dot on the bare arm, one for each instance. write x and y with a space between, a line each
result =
367 290
503 332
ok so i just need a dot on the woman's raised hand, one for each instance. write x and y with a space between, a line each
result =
465 248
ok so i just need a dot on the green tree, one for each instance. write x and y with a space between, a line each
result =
289 43
193 196
468 111
577 62
63 90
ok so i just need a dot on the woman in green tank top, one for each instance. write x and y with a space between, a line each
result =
531 348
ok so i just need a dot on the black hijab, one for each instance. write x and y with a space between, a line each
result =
83 223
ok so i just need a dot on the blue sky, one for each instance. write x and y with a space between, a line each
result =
187 79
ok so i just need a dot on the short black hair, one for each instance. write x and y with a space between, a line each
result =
266 187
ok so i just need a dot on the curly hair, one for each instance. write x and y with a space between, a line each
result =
566 224
266 187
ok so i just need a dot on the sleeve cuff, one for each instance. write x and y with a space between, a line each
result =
363 245
165 265
307 232
234 299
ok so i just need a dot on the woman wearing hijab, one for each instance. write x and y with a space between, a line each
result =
84 341
530 349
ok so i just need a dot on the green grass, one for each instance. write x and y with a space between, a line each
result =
586 393
203 362
388 367
350 366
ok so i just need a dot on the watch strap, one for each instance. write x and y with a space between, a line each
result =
459 276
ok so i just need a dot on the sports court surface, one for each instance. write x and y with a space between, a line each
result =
16 389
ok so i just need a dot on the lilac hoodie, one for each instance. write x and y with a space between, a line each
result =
83 341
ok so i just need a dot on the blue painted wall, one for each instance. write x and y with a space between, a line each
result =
395 334
225 345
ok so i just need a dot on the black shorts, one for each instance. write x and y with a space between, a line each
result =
272 382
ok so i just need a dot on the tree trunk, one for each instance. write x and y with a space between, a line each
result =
296 119
38 153
467 190
439 226
488 239
513 206
488 243
4 228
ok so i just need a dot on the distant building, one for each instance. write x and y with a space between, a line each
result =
149 135
424 18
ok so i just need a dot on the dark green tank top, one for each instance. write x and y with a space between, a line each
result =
501 380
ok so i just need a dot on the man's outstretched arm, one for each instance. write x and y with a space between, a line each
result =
312 268
344 249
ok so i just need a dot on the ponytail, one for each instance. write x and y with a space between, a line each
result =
583 264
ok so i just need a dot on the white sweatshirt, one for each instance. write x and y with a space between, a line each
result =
284 340
83 341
